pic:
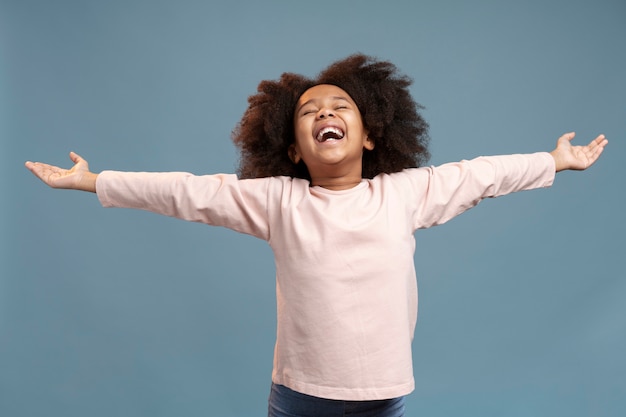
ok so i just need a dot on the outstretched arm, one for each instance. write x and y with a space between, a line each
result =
76 178
567 156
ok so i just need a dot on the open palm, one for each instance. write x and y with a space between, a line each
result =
568 156
55 177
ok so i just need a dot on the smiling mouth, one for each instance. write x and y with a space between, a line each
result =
329 133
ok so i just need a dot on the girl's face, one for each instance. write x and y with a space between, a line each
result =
329 131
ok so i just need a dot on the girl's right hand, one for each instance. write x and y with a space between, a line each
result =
76 178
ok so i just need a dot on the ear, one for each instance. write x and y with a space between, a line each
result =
368 143
293 153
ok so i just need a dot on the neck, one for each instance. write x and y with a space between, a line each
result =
337 183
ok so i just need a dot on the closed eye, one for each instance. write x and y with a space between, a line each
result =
308 111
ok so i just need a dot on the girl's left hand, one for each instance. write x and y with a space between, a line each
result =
567 156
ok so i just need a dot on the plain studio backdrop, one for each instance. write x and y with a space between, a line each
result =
109 312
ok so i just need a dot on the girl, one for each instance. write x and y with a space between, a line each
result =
330 177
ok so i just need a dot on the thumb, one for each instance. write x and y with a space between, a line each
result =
77 159
567 137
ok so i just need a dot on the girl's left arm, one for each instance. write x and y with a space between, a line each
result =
448 190
567 156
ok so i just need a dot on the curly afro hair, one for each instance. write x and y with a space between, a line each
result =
389 114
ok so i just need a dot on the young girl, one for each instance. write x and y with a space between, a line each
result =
330 177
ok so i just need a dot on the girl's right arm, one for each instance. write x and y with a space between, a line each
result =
76 178
218 200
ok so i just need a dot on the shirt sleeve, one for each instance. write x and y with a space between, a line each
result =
444 192
218 200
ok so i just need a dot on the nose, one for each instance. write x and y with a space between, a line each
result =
325 113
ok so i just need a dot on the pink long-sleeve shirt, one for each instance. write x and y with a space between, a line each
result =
345 277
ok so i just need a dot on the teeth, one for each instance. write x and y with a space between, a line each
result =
334 133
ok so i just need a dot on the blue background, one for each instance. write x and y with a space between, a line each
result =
116 312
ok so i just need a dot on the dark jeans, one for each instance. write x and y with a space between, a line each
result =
285 402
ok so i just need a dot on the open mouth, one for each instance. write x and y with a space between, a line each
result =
329 133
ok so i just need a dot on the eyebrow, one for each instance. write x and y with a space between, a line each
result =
313 99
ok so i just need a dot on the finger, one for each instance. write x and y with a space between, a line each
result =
38 169
594 154
598 139
34 167
598 142
601 140
599 149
